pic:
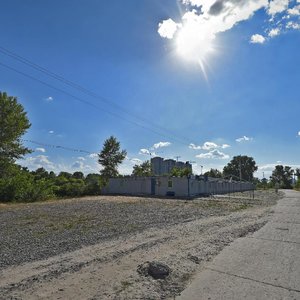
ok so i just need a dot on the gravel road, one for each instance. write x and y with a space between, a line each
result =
97 243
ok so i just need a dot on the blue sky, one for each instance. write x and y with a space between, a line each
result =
202 80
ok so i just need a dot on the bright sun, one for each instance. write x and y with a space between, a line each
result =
195 45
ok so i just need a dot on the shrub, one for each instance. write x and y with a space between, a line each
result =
22 187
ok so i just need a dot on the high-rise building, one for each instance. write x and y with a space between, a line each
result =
164 167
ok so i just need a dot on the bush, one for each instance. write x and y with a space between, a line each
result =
72 187
22 187
93 184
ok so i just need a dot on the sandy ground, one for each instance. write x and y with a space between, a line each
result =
108 269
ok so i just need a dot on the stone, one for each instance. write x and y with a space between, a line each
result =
155 269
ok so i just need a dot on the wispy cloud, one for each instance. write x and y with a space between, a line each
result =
213 154
136 161
195 147
43 150
50 131
284 16
273 32
161 145
208 146
295 11
257 39
144 151
49 99
244 139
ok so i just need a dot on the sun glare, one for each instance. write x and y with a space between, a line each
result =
194 45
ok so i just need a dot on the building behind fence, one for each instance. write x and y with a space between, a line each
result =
173 186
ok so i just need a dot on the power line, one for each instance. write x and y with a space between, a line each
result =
57 146
82 89
90 103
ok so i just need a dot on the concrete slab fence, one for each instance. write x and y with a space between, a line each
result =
173 186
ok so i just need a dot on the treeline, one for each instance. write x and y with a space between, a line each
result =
22 185
283 177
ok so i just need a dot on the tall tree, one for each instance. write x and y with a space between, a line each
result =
143 169
240 167
282 175
215 173
110 157
13 124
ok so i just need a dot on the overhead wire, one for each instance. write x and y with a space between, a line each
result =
85 91
90 103
57 146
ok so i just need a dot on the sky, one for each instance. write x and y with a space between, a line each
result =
194 80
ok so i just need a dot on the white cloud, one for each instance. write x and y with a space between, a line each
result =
203 20
277 6
194 147
200 24
81 158
144 151
274 32
292 25
93 155
51 131
136 161
40 150
271 167
161 145
167 28
225 146
39 161
295 11
213 154
43 161
244 139
257 39
49 99
208 146
299 131
78 165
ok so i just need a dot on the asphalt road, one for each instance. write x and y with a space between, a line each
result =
265 265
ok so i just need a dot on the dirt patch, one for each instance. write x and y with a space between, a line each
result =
182 235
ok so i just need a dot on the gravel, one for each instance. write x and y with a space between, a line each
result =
35 231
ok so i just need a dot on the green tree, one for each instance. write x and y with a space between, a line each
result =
110 157
14 123
240 166
143 169
282 175
40 173
93 184
215 173
66 175
78 175
179 172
